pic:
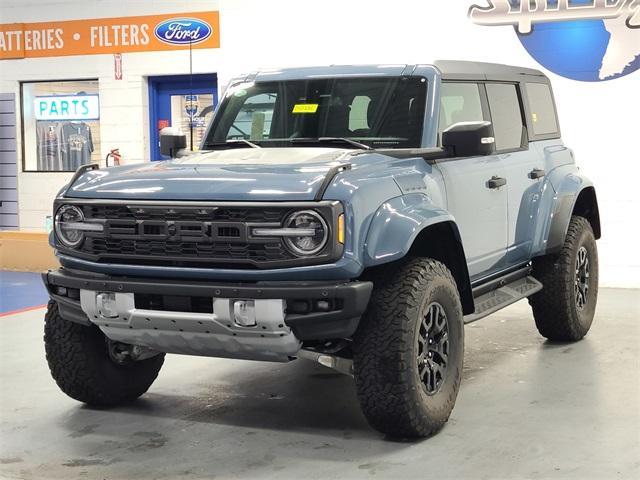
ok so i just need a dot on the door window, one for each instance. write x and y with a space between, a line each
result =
459 102
506 115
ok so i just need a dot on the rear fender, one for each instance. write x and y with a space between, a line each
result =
566 192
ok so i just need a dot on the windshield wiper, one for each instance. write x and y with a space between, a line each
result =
233 143
348 141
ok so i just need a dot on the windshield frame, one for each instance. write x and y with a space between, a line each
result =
425 94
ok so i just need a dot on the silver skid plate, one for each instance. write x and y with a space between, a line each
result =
211 335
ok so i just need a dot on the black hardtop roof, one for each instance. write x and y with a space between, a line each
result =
463 70
450 70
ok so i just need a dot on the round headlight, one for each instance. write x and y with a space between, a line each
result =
66 222
309 243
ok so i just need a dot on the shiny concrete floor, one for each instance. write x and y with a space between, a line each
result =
527 409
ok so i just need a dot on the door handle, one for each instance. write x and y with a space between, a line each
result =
496 182
536 173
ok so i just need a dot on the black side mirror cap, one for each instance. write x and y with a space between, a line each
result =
171 142
469 139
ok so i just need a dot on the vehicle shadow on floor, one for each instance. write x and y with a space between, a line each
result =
299 396
295 397
495 340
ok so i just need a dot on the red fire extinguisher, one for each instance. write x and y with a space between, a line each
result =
115 155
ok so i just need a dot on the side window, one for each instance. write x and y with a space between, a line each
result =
543 112
506 115
459 102
253 121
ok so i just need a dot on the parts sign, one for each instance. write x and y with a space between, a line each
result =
67 107
110 35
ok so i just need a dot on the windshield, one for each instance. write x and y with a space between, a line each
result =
378 112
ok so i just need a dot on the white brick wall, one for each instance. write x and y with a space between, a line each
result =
599 121
124 104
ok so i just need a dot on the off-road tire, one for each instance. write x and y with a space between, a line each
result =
555 308
81 366
391 393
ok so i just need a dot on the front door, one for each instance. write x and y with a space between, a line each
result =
185 102
479 211
478 205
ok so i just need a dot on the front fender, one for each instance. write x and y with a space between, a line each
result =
396 224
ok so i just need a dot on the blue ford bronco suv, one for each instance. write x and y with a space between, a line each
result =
356 216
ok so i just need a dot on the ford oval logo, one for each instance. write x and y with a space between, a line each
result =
183 31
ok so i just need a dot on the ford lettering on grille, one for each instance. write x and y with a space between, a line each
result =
176 230
183 31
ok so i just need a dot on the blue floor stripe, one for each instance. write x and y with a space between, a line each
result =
21 290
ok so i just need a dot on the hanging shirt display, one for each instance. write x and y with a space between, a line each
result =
60 125
49 143
77 144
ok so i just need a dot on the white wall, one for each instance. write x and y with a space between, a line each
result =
599 121
124 104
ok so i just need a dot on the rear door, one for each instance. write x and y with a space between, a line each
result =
480 211
524 168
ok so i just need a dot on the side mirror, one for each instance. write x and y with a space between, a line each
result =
172 141
470 139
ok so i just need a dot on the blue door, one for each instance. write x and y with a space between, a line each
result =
479 209
183 101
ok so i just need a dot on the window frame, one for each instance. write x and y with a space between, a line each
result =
22 119
486 111
524 140
281 107
484 102
525 95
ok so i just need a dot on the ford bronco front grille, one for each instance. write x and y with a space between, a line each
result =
183 253
194 235
208 213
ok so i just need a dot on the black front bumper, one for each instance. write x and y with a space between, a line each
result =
349 299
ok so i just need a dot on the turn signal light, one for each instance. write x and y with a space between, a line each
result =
341 228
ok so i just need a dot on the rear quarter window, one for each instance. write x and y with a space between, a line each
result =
542 110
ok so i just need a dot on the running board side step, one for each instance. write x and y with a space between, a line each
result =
494 300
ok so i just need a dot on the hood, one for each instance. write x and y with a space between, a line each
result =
264 174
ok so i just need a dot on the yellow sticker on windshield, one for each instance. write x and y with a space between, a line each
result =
305 108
